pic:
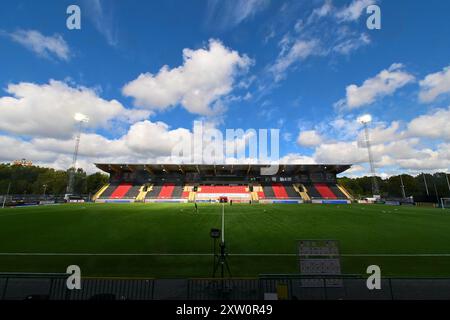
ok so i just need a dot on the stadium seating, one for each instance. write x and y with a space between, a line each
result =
177 192
279 191
291 192
166 191
120 191
222 189
154 192
324 191
312 192
108 191
185 194
268 192
338 193
235 193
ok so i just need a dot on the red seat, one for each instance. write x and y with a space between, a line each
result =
279 191
222 189
185 194
121 190
324 191
166 191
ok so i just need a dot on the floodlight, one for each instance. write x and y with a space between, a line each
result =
365 119
80 117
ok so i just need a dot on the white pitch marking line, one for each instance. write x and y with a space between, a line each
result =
209 254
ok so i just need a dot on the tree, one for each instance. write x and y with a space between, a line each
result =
31 180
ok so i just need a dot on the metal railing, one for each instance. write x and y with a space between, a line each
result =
295 287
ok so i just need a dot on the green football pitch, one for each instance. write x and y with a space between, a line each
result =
172 240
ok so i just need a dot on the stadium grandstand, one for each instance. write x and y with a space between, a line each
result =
211 183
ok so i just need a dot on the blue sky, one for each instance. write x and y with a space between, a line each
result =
309 68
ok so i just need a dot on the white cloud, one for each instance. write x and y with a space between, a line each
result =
316 33
434 85
320 12
382 133
384 83
340 153
102 18
48 110
136 146
300 50
228 14
293 158
402 155
351 44
206 76
354 10
421 144
435 125
309 138
44 46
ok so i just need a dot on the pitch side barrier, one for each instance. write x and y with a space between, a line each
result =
266 287
329 201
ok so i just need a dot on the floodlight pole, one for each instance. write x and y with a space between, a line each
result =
448 183
403 187
426 186
45 189
7 194
375 189
70 185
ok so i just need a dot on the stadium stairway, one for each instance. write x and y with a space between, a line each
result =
337 192
154 192
291 192
142 193
259 191
312 192
254 193
108 191
99 192
186 194
133 192
302 191
345 192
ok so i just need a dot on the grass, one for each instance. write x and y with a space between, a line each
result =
250 229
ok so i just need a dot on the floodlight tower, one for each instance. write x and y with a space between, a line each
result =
80 119
365 120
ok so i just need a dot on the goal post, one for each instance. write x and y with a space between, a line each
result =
445 203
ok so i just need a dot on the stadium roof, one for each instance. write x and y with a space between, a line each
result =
218 169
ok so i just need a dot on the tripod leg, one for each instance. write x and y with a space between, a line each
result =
217 262
228 267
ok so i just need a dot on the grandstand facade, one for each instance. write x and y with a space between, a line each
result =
208 183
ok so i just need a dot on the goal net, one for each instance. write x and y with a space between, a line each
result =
445 203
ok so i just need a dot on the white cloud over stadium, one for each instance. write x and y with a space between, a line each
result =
207 75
